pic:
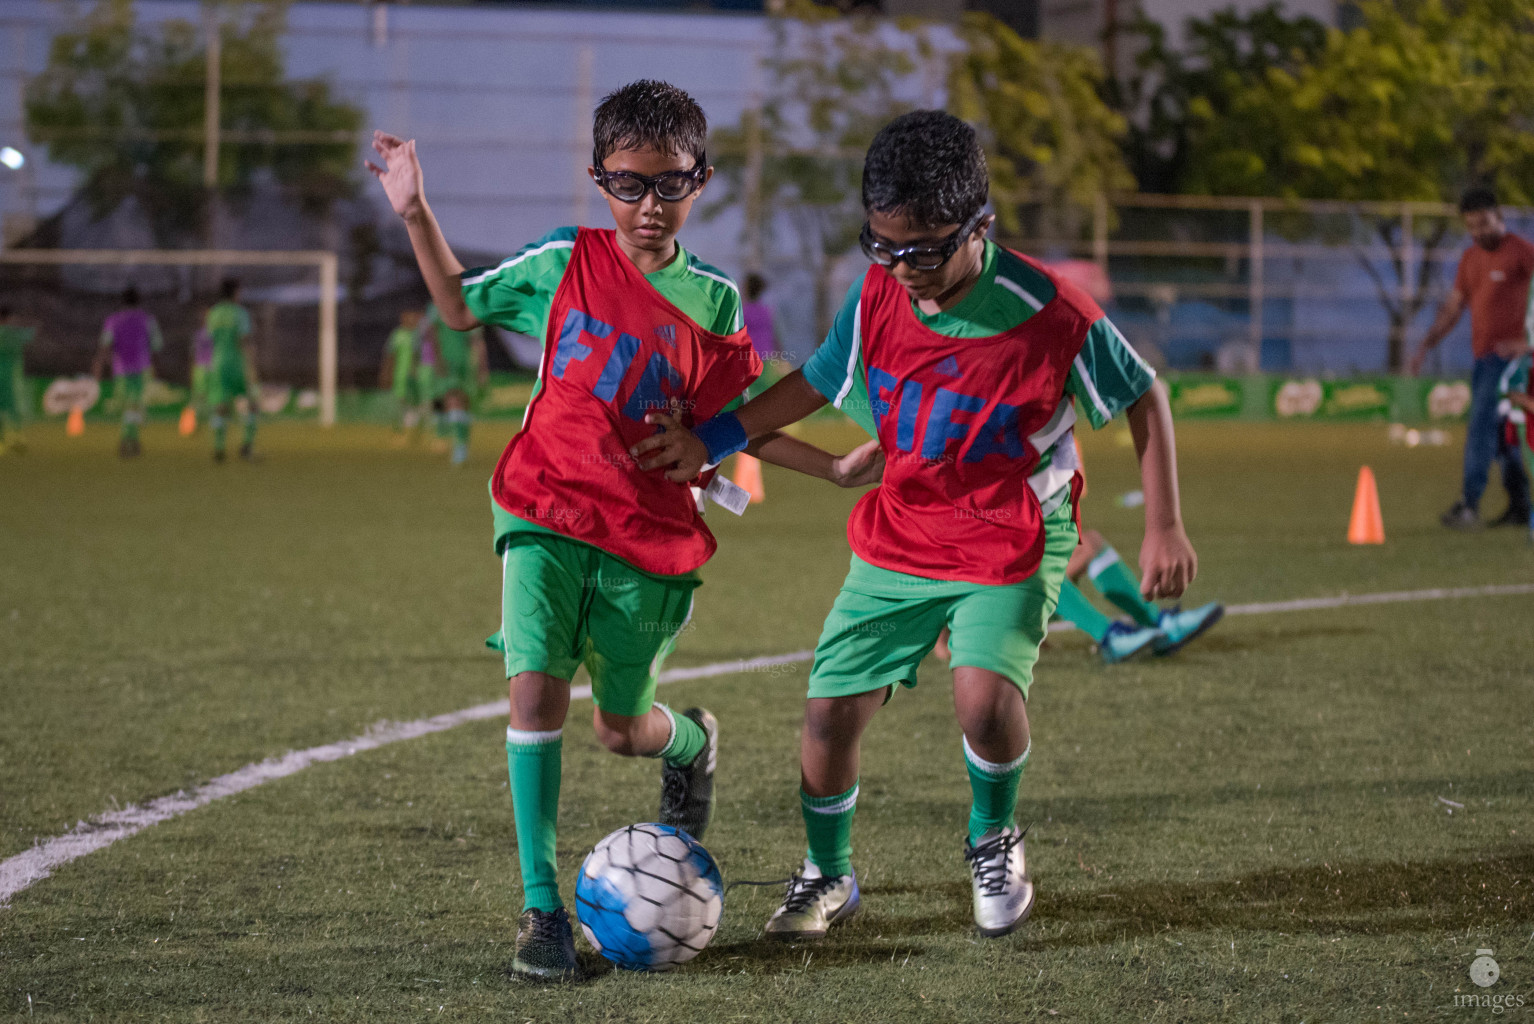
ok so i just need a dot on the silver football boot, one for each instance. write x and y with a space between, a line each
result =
1003 891
813 903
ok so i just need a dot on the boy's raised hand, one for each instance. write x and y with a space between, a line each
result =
400 174
676 447
1167 563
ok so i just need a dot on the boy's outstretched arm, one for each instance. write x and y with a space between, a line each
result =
860 467
688 451
401 179
1167 560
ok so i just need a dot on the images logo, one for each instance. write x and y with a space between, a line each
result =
1484 970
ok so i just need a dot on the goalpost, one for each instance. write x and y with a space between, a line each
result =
324 260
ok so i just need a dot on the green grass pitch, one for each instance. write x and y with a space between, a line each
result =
1251 831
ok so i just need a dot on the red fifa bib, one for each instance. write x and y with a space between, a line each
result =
961 422
616 350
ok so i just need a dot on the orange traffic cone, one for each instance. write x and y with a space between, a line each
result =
75 425
748 477
1367 525
188 425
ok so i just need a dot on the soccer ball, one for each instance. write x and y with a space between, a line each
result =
649 897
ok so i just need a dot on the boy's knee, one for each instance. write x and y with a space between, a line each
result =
841 719
538 701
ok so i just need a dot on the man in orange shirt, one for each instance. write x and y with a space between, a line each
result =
1493 280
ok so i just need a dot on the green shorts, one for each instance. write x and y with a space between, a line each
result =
129 390
226 383
564 604
443 384
884 623
407 392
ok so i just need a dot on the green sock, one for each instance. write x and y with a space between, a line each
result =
1076 609
994 791
533 761
687 739
250 429
1115 582
220 427
828 828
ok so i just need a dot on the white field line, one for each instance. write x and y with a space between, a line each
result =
1310 604
22 870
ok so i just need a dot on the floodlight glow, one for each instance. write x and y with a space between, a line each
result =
12 158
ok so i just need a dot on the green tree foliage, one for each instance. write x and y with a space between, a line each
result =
833 81
124 103
1183 101
1418 101
1050 138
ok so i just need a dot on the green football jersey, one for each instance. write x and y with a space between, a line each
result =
229 325
454 348
12 340
518 294
1106 377
401 346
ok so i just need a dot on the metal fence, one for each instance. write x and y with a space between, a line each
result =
1242 285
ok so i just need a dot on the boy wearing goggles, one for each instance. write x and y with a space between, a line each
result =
968 363
600 559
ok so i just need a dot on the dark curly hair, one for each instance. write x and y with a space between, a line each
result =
928 166
1478 198
649 115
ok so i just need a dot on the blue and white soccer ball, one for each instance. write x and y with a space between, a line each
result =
649 897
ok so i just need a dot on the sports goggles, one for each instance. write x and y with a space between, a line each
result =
917 257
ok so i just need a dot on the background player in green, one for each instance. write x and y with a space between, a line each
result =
129 338
13 338
400 373
458 375
201 374
946 314
234 374
566 602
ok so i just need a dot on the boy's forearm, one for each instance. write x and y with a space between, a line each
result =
792 453
1150 422
440 268
788 401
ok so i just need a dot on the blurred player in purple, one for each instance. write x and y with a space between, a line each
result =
764 336
131 337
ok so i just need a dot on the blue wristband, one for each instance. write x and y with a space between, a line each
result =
723 436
